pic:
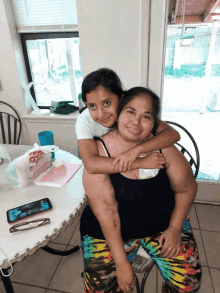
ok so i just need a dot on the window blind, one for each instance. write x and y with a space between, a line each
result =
45 15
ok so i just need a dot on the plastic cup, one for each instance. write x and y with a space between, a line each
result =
46 138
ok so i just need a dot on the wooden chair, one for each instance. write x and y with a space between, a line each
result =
142 263
10 124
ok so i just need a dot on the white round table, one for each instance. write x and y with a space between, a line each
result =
67 202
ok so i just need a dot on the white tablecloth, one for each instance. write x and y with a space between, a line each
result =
67 203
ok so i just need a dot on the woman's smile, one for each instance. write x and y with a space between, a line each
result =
134 130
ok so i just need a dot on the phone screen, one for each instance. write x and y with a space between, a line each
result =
28 210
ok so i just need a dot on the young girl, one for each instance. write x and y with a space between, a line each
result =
102 92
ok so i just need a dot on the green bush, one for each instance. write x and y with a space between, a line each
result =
186 71
192 70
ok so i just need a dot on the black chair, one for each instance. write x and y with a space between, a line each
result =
142 263
10 125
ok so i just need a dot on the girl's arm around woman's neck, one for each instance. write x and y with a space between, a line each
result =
96 164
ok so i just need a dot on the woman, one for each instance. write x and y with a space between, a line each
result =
150 212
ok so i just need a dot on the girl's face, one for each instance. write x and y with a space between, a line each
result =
103 106
136 121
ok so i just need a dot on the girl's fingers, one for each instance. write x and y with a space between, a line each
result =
115 162
120 166
124 167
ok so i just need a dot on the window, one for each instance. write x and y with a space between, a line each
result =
51 47
184 72
54 65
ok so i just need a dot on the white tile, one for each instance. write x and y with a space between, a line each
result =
193 217
151 282
50 291
215 275
37 269
209 217
159 281
19 288
212 248
65 236
68 274
206 284
201 249
75 240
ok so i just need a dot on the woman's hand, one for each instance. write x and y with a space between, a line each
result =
170 241
125 277
126 159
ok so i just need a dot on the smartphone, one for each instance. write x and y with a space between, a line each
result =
28 210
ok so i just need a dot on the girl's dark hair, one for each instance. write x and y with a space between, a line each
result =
141 91
102 77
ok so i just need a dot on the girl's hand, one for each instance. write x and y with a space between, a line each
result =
154 160
170 241
125 277
126 159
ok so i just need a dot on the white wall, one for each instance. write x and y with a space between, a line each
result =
12 72
110 37
109 34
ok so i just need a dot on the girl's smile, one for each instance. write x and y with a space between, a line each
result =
103 106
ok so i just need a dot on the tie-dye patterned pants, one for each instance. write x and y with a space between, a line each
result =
180 274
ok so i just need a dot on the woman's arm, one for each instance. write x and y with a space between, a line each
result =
102 201
101 196
183 184
96 164
185 187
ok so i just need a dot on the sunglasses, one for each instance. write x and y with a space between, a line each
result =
29 225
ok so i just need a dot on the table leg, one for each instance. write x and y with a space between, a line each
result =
6 282
59 252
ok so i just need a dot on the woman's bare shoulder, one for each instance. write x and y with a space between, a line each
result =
112 143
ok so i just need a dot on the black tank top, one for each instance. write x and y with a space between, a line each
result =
144 206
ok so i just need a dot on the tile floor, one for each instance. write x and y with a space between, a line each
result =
46 273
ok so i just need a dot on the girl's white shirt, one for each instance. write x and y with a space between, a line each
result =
87 128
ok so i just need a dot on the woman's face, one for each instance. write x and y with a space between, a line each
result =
136 120
103 106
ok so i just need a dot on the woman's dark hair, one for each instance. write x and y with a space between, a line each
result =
102 77
141 91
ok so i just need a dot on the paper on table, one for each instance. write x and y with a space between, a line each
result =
57 176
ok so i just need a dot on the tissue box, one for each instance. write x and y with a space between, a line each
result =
28 167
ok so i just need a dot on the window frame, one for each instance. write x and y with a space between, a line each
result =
40 36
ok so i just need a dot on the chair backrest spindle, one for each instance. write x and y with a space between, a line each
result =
13 123
184 151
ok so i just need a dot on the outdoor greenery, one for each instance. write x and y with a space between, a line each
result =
192 70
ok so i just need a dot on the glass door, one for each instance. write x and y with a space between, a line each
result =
184 70
191 89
